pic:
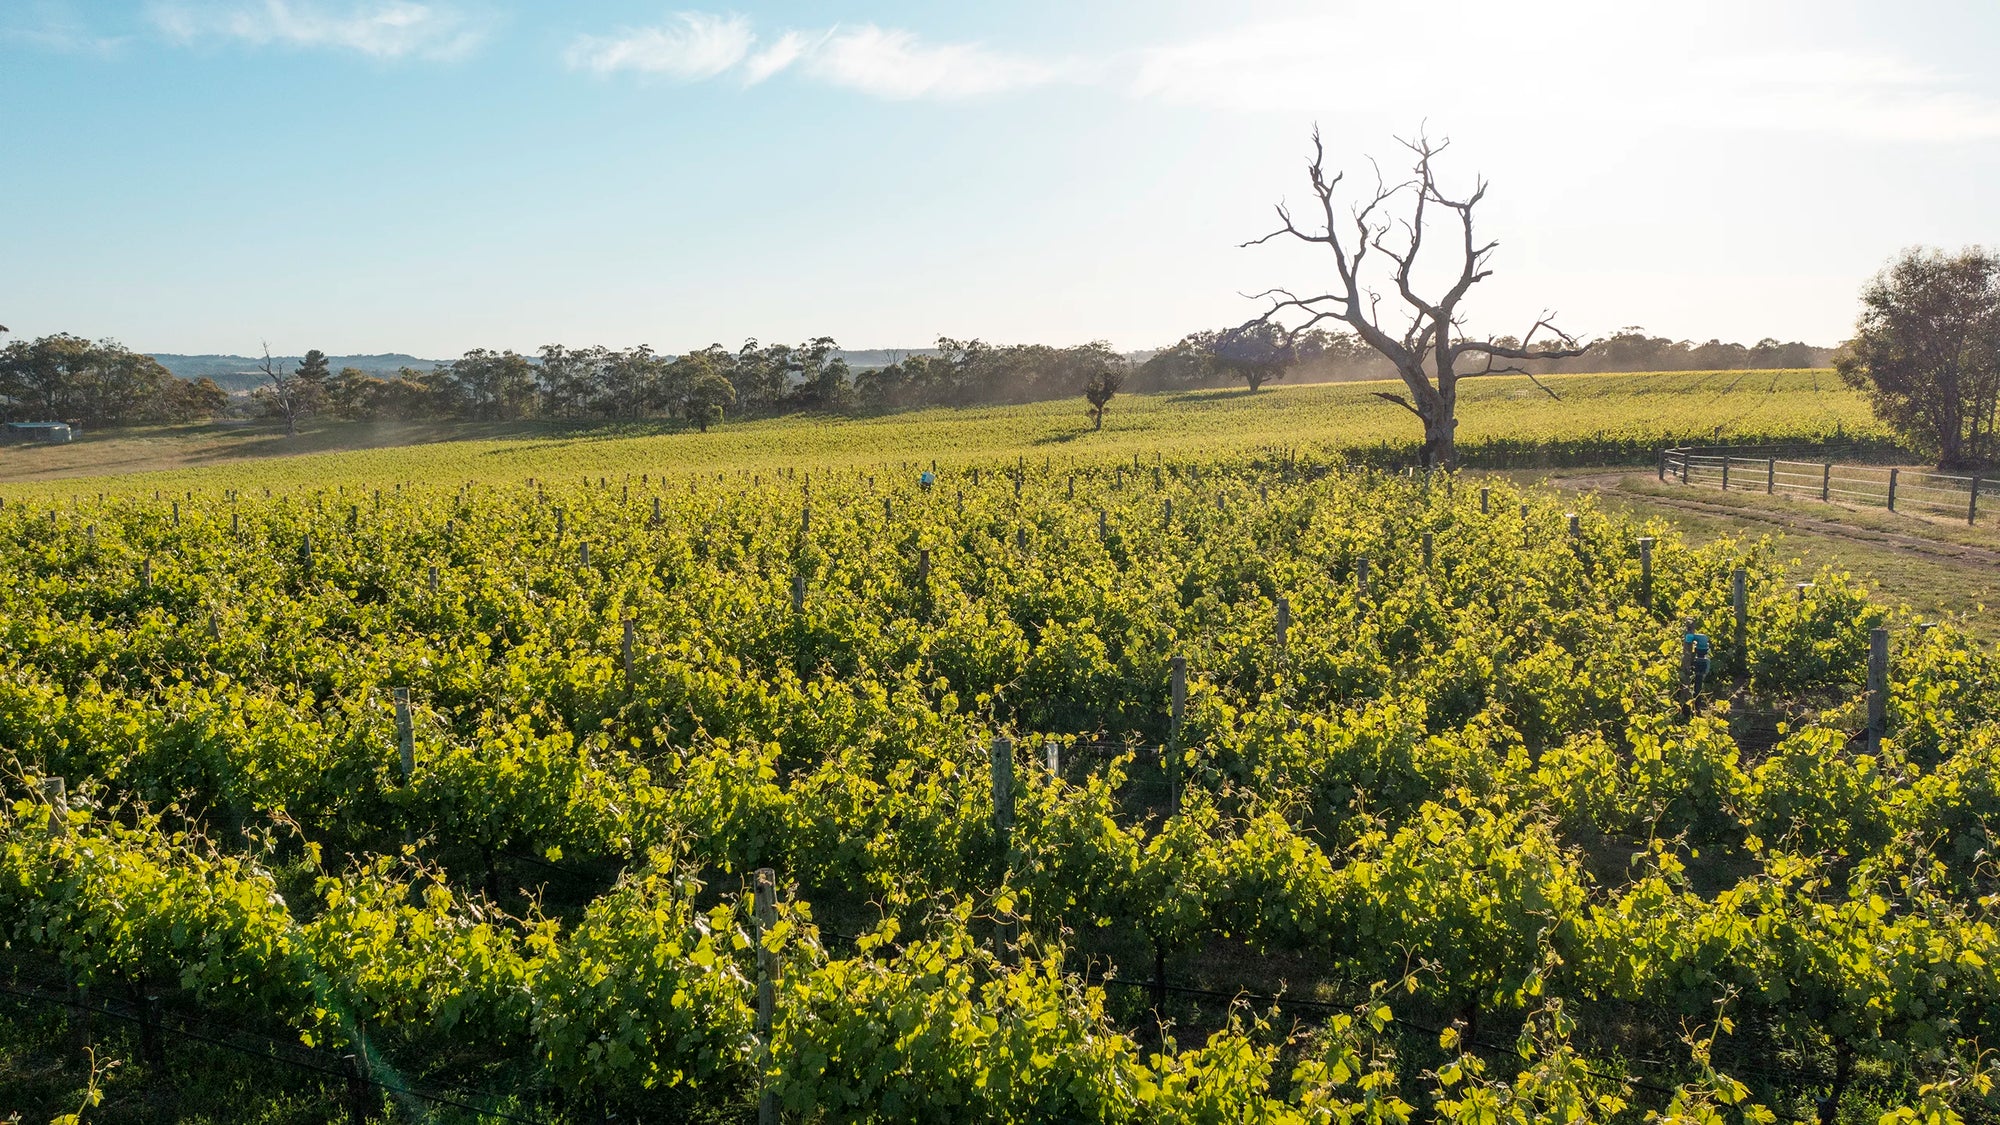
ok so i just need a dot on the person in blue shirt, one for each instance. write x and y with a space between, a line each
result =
1697 652
927 480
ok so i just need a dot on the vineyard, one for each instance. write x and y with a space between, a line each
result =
1247 786
1508 422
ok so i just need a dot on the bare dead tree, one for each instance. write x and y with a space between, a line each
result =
287 392
1431 343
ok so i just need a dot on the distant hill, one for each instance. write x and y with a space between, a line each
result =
242 373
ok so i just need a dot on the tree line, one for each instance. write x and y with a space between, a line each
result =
97 383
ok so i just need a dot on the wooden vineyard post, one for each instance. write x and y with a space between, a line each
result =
1427 550
235 526
434 579
1893 474
177 513
1284 628
656 511
1725 472
1102 532
1072 486
1263 493
1826 481
806 520
923 566
1770 475
888 509
1878 686
1575 526
1361 566
798 593
769 970
1684 467
561 524
1021 540
625 648
1178 694
1663 466
1167 512
151 1047
1002 762
406 738
146 574
1053 753
1646 571
1485 499
1739 602
583 554
55 791
1972 503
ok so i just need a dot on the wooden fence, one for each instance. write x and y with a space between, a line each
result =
1896 489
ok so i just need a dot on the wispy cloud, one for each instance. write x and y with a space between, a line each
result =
1499 70
386 29
882 62
53 26
691 46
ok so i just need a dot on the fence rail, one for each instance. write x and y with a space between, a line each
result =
1896 489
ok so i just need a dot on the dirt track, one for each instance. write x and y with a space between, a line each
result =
1608 484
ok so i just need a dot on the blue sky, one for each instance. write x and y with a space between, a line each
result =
434 175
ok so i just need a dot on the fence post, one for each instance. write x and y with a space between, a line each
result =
1893 474
1826 482
1770 475
1739 601
1725 472
1485 497
769 969
1646 571
1284 622
1663 466
798 593
1878 685
1684 466
1972 503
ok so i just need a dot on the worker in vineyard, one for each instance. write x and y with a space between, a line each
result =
926 480
1697 657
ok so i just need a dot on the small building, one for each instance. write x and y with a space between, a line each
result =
47 432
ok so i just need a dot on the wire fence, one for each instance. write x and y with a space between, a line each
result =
1872 486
